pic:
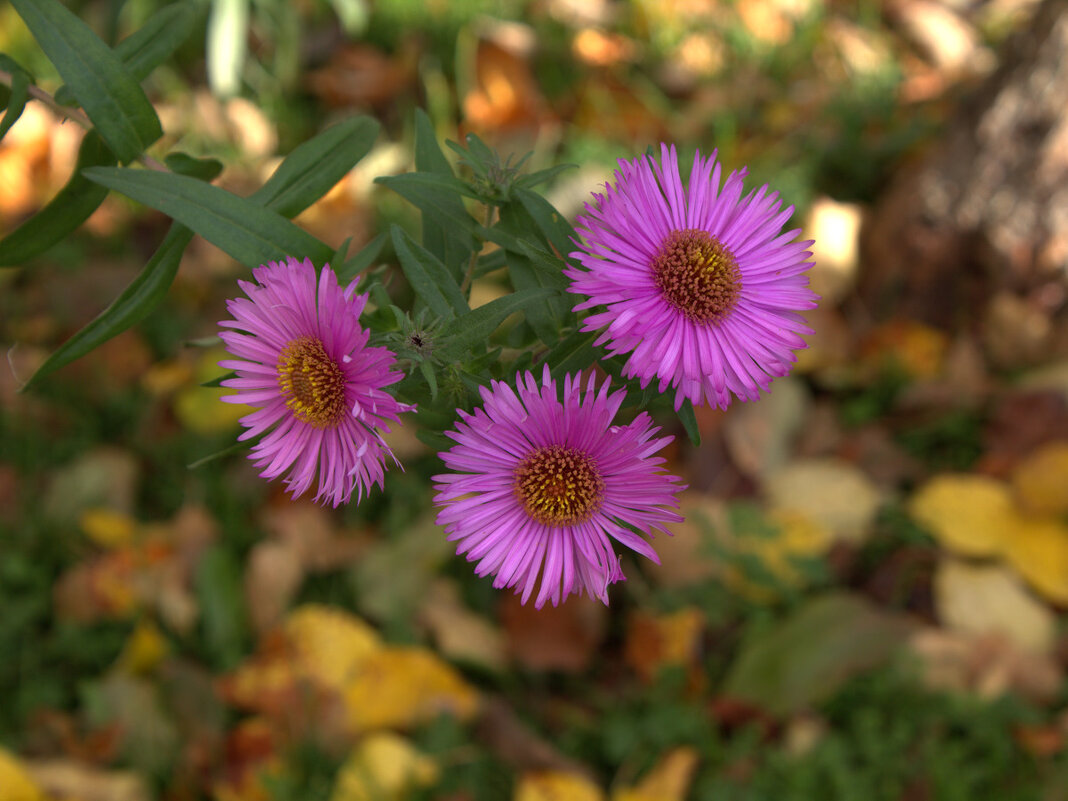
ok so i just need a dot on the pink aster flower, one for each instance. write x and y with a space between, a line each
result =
304 363
541 486
699 284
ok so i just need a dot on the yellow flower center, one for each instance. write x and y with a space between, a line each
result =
697 275
312 383
559 486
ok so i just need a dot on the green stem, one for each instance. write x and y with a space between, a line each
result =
466 285
73 114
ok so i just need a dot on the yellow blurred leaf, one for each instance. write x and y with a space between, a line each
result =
199 408
916 349
144 649
985 599
969 514
834 494
15 782
1041 480
1038 549
107 527
668 780
383 767
658 641
332 646
401 687
556 786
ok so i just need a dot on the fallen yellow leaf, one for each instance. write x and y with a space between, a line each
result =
556 786
107 527
833 493
332 645
1038 549
144 649
400 687
383 767
15 782
199 408
969 514
1041 480
668 780
657 641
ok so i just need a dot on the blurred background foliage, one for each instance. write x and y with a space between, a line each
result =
865 602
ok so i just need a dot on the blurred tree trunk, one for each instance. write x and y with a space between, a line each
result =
980 225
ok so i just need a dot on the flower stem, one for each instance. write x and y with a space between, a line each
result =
73 114
466 285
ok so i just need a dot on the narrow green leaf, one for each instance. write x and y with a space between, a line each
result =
447 185
19 93
362 260
438 205
205 169
71 206
572 354
427 369
312 169
689 422
552 224
430 279
132 306
463 333
150 45
111 97
435 440
453 243
252 234
531 180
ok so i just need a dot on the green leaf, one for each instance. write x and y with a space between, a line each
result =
20 92
362 260
150 45
205 169
129 308
689 422
430 279
446 185
805 658
252 234
453 243
474 328
72 206
314 167
438 205
427 369
218 586
111 97
531 180
552 224
572 354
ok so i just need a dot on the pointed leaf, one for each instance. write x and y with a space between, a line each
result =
249 232
689 422
19 93
132 306
463 333
206 169
110 95
71 206
314 167
362 260
430 279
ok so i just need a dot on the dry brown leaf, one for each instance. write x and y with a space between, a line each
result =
383 767
504 94
760 436
458 632
988 665
272 578
399 687
833 494
668 780
688 556
561 637
70 780
969 514
556 786
310 531
989 599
